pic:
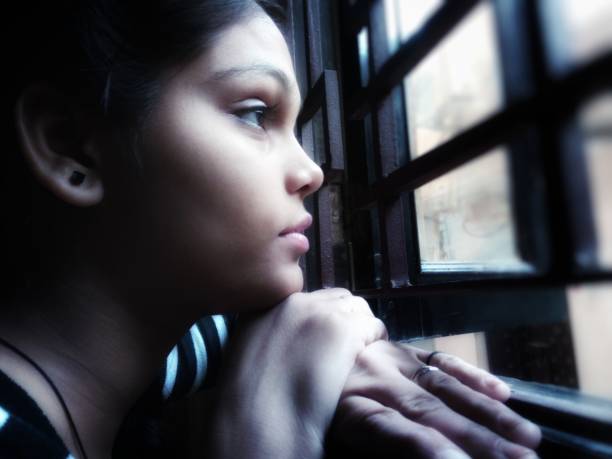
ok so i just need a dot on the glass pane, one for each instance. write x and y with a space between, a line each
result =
596 124
591 324
577 30
465 220
404 18
457 85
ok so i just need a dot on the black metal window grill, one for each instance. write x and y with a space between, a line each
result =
476 207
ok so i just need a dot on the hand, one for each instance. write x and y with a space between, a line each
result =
385 411
285 372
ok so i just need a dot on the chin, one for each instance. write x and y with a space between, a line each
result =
295 283
279 287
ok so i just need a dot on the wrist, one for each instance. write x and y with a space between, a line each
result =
249 427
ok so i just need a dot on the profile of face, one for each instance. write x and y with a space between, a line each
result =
223 175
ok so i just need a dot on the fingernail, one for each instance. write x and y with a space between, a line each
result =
529 432
452 454
502 390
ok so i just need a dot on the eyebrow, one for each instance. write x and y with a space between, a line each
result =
261 69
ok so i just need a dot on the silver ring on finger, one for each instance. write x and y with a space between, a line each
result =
423 371
431 356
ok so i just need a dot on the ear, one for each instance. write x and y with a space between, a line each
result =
59 143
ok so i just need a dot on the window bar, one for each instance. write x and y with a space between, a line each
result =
311 262
490 283
528 204
349 54
357 15
325 96
326 242
514 45
528 208
562 243
413 250
362 260
333 122
565 413
312 259
297 42
582 219
334 174
384 117
315 57
391 213
408 56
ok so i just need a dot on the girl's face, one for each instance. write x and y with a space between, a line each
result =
224 176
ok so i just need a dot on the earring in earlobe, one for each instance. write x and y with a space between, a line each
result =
77 178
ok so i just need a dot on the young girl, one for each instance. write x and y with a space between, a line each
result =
164 183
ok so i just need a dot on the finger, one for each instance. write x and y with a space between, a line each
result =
355 304
415 403
364 327
382 334
484 410
472 376
343 295
332 292
378 330
371 429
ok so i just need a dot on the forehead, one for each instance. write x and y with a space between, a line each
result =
255 42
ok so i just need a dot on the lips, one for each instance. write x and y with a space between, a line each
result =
294 236
300 227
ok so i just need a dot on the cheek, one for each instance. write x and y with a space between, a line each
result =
217 205
228 218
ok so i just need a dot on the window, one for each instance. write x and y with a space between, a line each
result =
467 152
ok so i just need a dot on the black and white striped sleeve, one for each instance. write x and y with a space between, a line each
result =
194 362
25 431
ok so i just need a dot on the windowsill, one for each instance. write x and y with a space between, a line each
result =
574 424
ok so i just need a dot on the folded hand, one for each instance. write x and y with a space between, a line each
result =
391 406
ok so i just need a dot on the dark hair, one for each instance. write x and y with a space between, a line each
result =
113 52
110 56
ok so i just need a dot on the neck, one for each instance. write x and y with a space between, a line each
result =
100 355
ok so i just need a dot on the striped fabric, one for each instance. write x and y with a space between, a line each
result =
22 439
24 430
194 362
4 416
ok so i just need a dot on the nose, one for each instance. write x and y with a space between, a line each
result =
304 175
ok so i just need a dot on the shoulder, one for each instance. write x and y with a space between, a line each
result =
24 429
